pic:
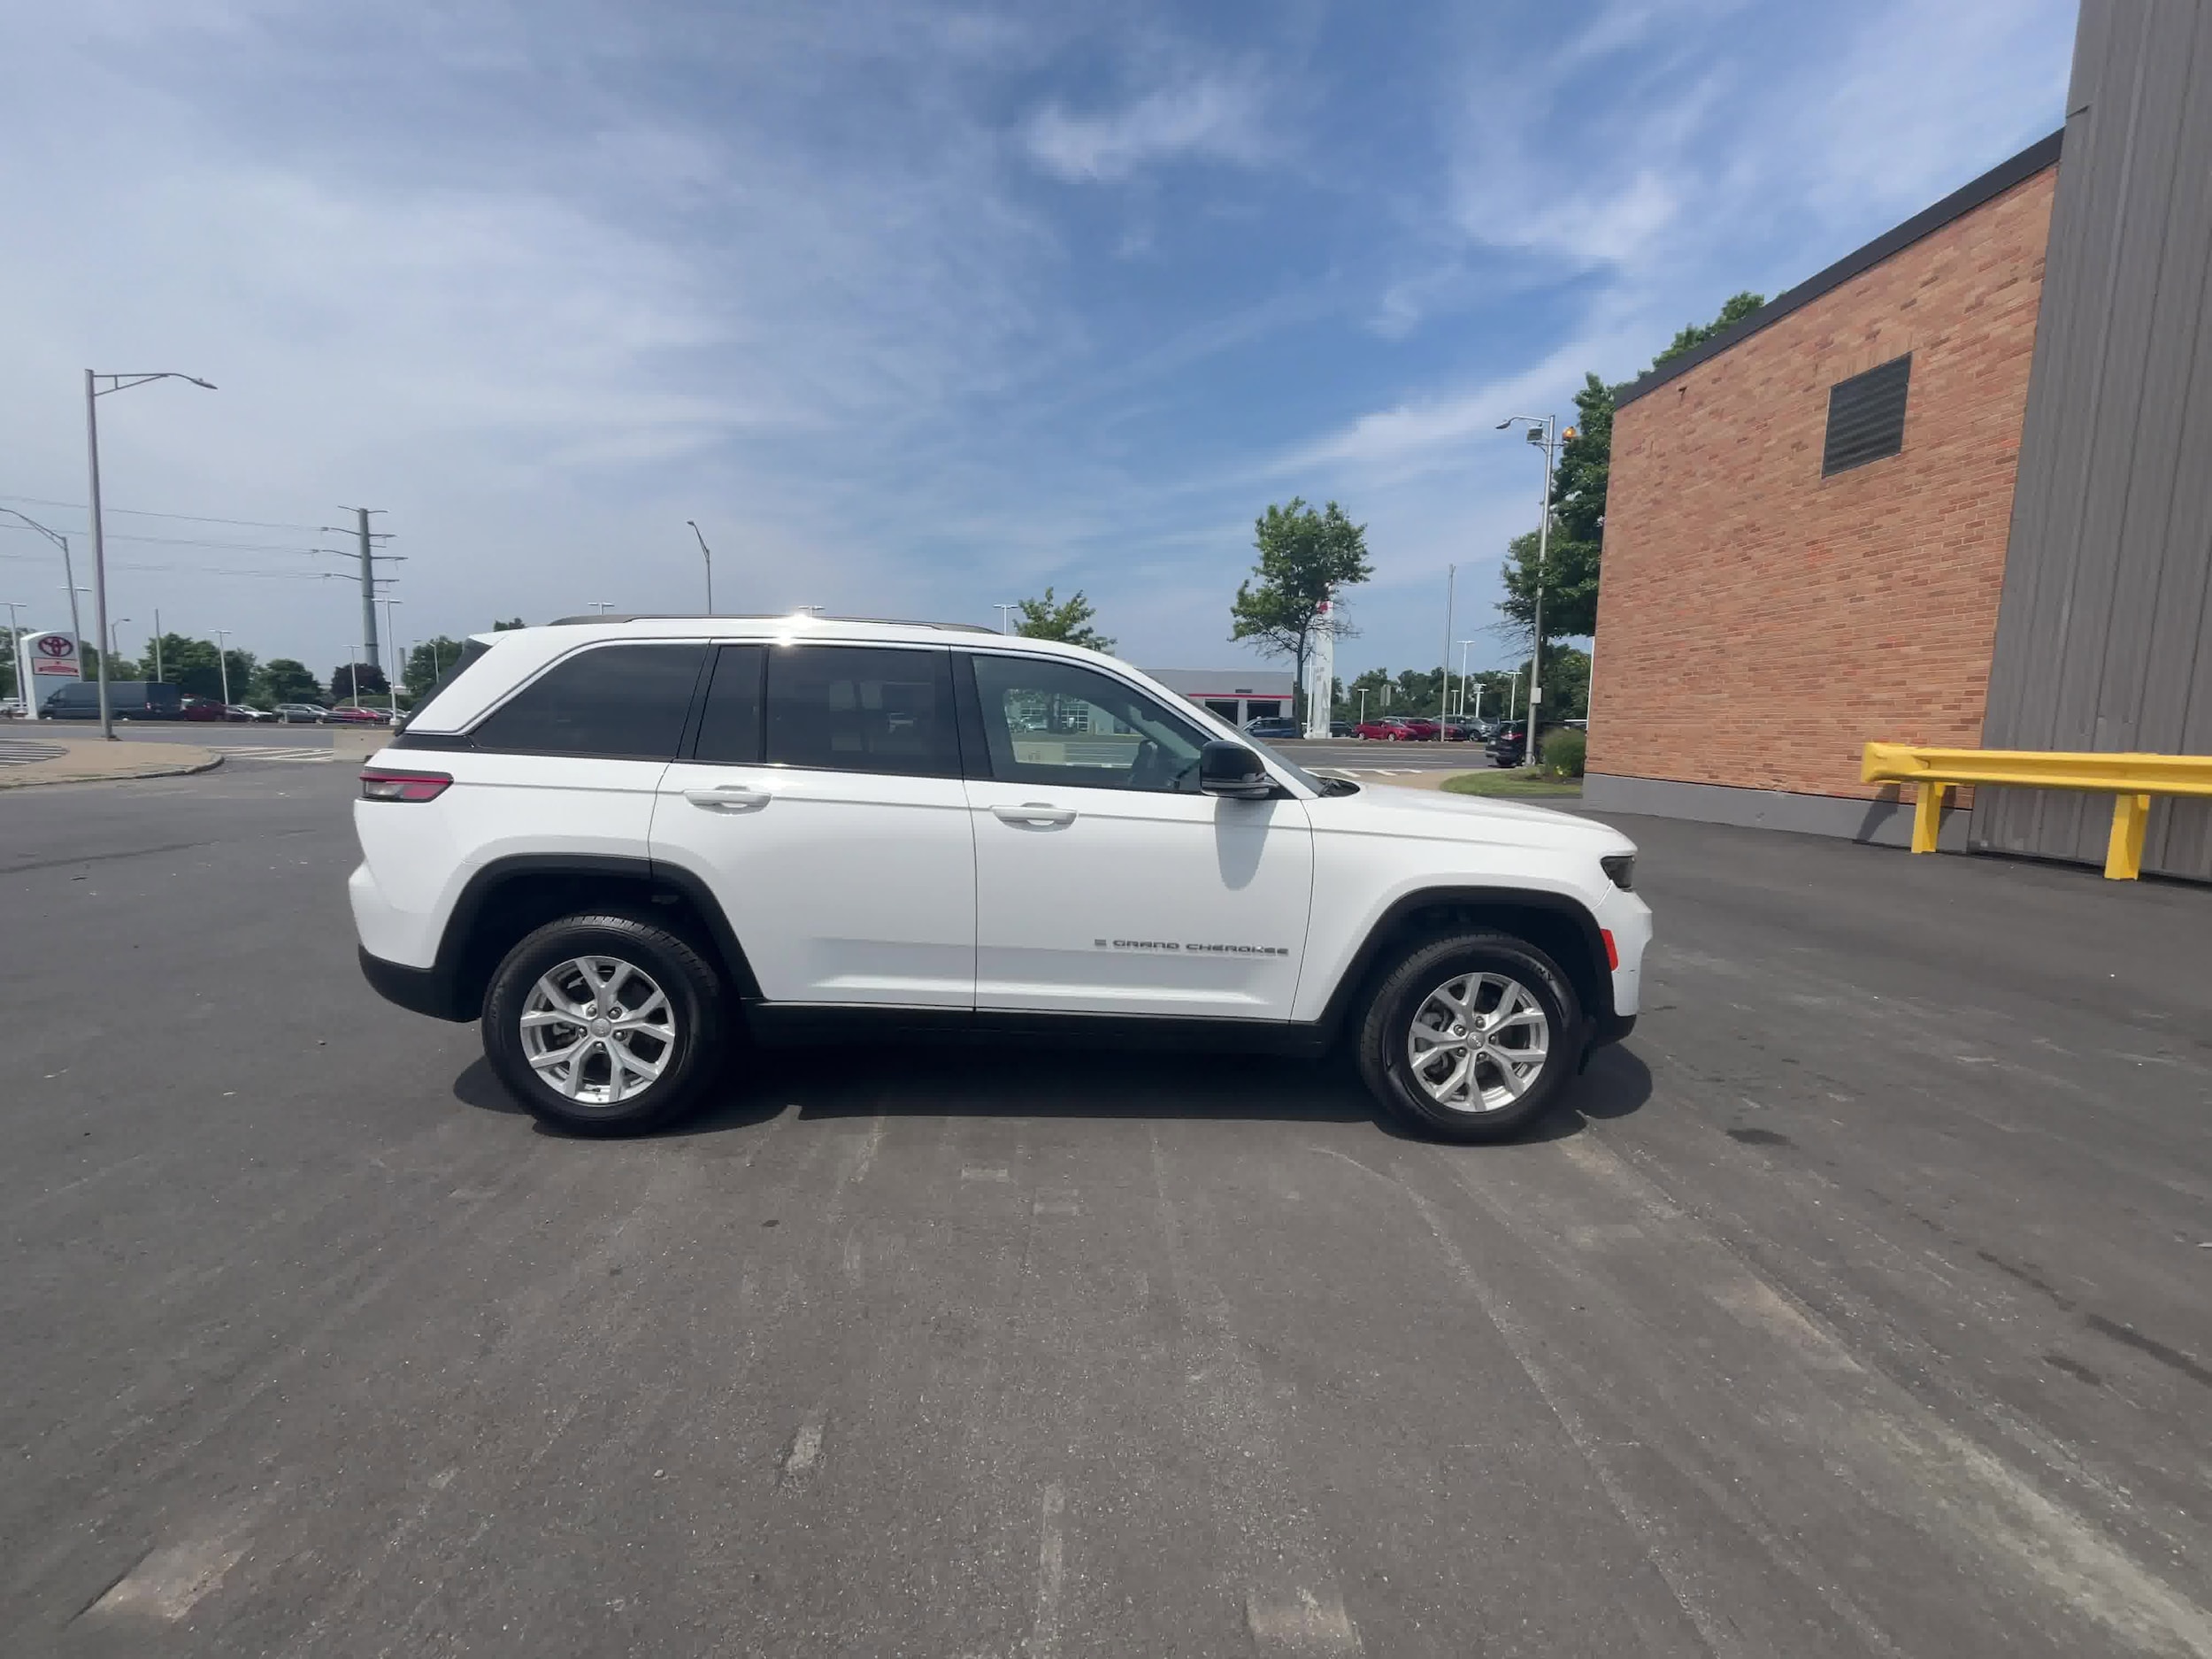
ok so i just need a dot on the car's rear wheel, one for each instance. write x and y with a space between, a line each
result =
605 1024
1470 1037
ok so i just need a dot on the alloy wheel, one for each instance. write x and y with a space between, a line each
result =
598 1030
1478 1042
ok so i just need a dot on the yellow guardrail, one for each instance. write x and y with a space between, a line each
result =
2131 778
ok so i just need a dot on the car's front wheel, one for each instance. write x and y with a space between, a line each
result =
1470 1037
605 1024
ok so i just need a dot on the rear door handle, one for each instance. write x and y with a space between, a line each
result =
1034 812
729 797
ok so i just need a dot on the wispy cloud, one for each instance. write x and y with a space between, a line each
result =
547 281
1211 117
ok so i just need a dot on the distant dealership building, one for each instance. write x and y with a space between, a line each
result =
1237 694
1955 489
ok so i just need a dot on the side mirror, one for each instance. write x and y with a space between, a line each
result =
1231 770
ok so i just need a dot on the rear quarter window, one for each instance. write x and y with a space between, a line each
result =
615 701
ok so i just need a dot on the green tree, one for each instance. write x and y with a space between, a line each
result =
284 679
189 663
502 627
1069 622
1733 310
119 667
1566 687
356 681
427 662
1579 483
1306 559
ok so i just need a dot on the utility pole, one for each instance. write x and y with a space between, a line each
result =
222 665
368 588
157 643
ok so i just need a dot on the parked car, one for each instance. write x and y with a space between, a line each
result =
1381 729
1419 730
623 851
241 712
1270 727
11 708
1343 728
1507 746
127 700
302 713
354 714
205 708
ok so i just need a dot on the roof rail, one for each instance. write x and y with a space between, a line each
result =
763 616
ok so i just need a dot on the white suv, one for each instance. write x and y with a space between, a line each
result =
627 844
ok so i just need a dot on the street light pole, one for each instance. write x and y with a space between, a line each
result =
707 556
1005 617
222 666
1543 431
68 571
114 649
1444 697
1463 644
93 392
399 666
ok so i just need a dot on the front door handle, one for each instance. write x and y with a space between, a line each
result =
729 797
1034 812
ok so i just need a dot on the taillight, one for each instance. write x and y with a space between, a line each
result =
377 784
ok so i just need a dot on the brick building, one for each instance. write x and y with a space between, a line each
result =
1938 493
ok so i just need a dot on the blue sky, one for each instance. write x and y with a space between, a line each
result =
915 307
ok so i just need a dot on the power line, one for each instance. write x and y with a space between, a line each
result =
146 512
201 569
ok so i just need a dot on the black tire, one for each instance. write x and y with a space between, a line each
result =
1386 1025
690 1061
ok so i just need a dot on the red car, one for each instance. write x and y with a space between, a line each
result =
347 714
203 709
1380 730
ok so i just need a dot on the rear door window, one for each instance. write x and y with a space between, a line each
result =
859 707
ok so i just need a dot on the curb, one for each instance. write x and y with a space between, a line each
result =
209 765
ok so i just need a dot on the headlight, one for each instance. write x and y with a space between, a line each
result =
1621 867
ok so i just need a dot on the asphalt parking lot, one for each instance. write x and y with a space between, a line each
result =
1861 1308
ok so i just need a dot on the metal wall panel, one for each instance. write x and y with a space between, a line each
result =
2102 631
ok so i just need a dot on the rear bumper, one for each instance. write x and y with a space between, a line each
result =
419 990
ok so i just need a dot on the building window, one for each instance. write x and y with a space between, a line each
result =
1866 416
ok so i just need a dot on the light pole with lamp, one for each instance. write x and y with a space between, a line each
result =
93 392
1543 431
1005 617
222 666
705 555
1463 644
69 574
114 649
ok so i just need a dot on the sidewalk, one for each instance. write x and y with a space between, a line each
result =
28 756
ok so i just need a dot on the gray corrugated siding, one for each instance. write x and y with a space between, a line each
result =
2101 632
